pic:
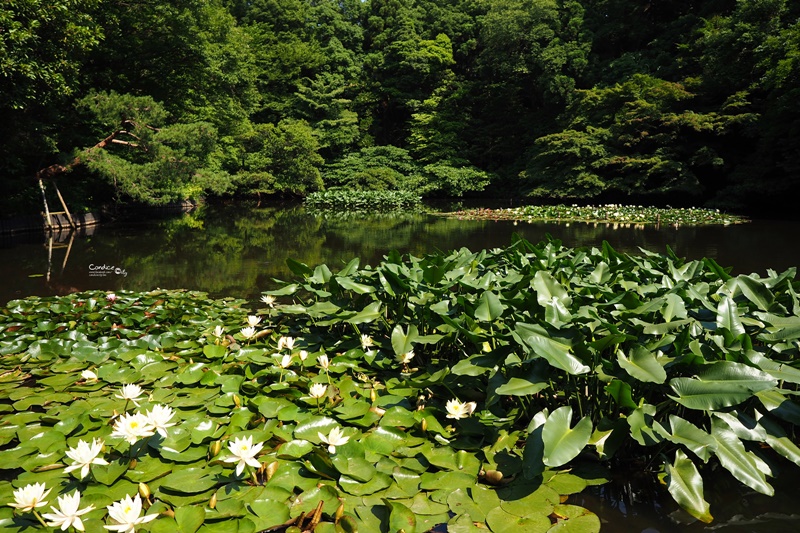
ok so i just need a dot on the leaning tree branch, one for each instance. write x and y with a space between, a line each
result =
56 170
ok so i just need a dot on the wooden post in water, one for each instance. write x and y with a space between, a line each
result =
48 224
64 205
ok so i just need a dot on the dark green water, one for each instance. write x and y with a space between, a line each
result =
239 250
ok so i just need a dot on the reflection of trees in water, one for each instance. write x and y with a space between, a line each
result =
238 249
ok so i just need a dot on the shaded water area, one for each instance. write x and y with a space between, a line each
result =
240 249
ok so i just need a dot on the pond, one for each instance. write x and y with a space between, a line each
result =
239 250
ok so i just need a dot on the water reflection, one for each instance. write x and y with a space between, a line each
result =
239 250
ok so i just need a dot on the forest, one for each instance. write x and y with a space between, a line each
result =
661 102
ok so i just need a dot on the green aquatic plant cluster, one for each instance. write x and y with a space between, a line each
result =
472 389
167 411
610 213
355 200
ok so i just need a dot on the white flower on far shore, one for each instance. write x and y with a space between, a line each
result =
318 390
457 409
30 497
253 321
406 358
126 515
335 438
130 392
67 513
268 299
244 453
84 455
160 417
133 427
323 361
285 342
248 332
88 375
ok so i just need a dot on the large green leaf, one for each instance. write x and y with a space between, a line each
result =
490 308
563 443
403 341
540 345
548 289
728 316
686 487
778 440
685 433
520 387
732 455
721 384
642 365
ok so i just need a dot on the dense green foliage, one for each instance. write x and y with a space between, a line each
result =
351 201
471 386
675 102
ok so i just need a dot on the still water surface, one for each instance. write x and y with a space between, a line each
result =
240 250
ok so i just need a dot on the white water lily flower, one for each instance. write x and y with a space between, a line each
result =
159 418
30 497
67 513
457 409
318 390
268 299
253 321
248 332
88 375
286 361
84 455
133 427
406 358
111 297
335 438
302 354
285 342
244 453
126 515
130 392
366 342
323 361
219 331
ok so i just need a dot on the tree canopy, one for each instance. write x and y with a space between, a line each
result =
675 101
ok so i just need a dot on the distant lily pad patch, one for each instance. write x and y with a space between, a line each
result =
610 213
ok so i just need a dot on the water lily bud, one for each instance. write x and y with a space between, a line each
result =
144 491
133 464
424 424
169 512
271 469
215 448
339 512
493 477
212 503
373 395
237 401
